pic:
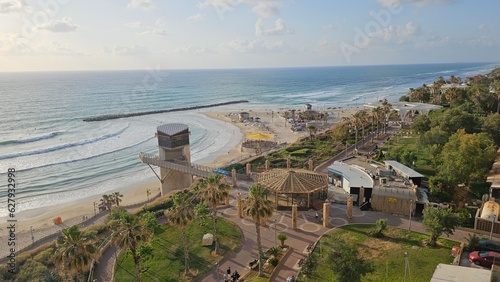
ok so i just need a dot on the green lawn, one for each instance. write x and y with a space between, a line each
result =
387 254
167 263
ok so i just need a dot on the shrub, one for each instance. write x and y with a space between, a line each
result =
45 257
293 148
301 153
472 242
31 270
274 251
380 226
282 237
273 261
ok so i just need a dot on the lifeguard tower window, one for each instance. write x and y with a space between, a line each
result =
173 135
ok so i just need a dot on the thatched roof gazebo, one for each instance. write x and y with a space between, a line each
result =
295 183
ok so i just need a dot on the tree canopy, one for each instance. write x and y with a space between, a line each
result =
439 221
465 157
347 264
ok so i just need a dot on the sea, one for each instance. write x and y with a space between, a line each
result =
59 159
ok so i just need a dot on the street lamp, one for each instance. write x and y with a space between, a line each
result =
407 265
32 237
493 218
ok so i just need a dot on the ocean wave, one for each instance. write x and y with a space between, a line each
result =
31 139
89 157
62 146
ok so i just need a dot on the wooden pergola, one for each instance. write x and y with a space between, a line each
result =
293 182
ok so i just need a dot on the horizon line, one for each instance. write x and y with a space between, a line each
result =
242 68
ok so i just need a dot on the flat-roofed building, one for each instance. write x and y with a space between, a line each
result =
352 179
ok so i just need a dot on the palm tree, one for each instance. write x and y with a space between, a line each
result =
355 122
258 207
75 249
377 113
213 190
312 130
116 198
180 215
325 116
386 109
130 234
362 117
107 201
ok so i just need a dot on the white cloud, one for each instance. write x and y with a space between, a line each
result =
14 44
196 18
56 48
190 49
409 29
12 6
482 41
399 34
279 28
64 25
141 4
436 42
253 46
158 31
135 50
482 26
419 3
264 8
160 22
329 27
267 8
135 24
219 4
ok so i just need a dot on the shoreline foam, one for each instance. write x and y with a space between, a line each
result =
42 217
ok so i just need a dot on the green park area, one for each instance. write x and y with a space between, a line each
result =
383 256
166 260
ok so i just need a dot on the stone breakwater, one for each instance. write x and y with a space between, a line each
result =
108 117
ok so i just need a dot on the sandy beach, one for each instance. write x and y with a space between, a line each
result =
41 220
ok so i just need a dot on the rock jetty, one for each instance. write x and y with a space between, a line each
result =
108 117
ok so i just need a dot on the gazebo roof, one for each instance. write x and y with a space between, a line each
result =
293 181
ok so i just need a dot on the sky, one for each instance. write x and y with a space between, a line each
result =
54 35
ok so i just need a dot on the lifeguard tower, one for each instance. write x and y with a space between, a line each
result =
173 146
174 158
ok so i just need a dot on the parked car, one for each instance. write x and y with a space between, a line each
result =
488 245
484 258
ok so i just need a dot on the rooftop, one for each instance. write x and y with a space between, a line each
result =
172 128
454 273
355 175
402 169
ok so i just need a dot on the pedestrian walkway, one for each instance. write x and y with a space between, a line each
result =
308 232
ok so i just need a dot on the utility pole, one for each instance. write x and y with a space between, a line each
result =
493 218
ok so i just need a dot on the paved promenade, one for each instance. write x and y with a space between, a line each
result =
308 232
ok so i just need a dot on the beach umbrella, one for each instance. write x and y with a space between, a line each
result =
259 136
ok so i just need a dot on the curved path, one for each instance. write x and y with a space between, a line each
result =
308 232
